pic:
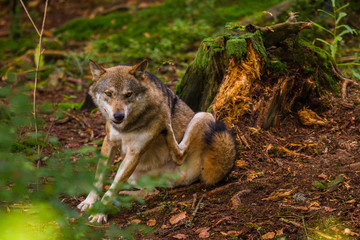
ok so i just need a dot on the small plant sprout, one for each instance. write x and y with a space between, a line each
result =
336 33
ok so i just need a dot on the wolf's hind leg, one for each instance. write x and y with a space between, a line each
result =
106 150
193 137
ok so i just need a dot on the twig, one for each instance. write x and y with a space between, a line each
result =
296 224
37 30
36 76
194 200
244 141
196 209
38 62
82 122
303 222
150 211
32 70
222 188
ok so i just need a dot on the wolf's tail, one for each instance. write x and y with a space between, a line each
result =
219 155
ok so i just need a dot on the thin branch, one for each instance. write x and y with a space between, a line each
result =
196 209
31 20
37 67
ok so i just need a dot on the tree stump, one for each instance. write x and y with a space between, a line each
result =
257 74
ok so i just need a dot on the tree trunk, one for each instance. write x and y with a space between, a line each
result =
261 73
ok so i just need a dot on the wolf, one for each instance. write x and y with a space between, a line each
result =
155 132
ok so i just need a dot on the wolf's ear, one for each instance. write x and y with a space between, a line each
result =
139 69
96 69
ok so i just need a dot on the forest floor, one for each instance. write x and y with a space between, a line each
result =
291 180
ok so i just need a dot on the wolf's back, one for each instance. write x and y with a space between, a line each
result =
219 155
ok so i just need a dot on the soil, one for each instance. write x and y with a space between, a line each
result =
270 190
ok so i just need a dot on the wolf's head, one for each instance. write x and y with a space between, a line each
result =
121 92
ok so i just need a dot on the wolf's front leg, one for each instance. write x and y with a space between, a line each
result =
107 150
125 170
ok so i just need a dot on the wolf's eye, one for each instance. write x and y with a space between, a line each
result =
129 94
108 93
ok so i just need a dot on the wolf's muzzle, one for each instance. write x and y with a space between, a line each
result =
118 117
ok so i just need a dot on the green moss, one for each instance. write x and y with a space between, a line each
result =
237 44
236 47
258 44
334 86
205 53
318 58
277 66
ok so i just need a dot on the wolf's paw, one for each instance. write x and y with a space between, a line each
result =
98 218
88 202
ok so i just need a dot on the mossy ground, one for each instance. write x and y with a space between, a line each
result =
162 33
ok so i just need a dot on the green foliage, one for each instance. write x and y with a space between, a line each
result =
32 186
319 185
75 63
158 32
319 57
337 32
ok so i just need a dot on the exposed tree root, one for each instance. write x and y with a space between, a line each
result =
345 80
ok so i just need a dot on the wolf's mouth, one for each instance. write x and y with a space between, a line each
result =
117 122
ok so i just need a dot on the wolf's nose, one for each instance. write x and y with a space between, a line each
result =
119 116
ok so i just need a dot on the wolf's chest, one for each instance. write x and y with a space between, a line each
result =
154 152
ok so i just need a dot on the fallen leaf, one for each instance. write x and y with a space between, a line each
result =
241 163
323 176
151 222
252 175
136 221
334 228
180 236
303 208
351 201
203 232
231 233
328 209
220 221
165 226
347 185
315 204
314 208
183 204
279 194
177 218
268 235
279 232
310 118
